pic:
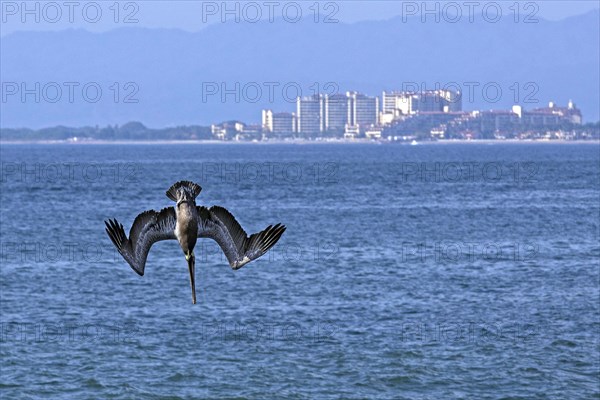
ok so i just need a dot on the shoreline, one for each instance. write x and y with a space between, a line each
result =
293 142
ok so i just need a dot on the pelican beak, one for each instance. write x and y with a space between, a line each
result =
191 259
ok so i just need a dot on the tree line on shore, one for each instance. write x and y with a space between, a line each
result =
136 131
130 131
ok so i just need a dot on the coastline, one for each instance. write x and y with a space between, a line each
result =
294 142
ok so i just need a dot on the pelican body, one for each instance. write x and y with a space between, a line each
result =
186 222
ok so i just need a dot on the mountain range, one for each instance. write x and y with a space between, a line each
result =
167 77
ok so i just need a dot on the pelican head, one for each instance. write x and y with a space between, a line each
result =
184 192
184 196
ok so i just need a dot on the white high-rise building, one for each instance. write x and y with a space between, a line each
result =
336 112
363 110
406 103
310 114
282 123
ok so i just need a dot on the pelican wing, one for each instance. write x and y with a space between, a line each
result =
148 228
217 223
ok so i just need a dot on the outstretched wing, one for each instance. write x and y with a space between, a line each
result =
217 223
148 228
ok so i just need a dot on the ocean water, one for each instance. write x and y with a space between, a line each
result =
409 272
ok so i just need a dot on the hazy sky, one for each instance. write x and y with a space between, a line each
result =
194 15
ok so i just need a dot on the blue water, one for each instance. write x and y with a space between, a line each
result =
419 272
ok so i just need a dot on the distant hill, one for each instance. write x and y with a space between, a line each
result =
131 131
171 70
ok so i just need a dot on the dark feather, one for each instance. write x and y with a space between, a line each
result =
218 224
148 228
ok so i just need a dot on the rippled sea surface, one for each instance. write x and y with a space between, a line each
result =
419 272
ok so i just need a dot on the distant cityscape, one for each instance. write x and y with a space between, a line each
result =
407 115
398 116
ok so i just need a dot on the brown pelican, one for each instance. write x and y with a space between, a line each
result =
186 222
